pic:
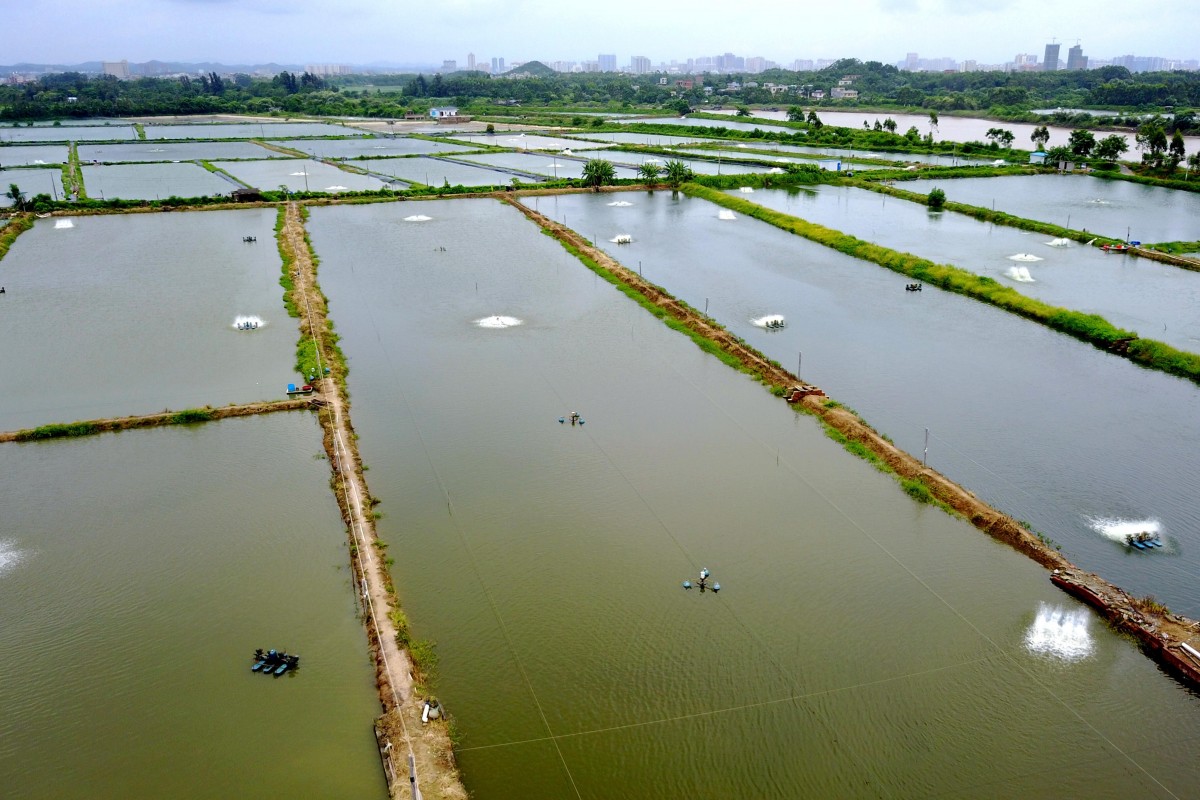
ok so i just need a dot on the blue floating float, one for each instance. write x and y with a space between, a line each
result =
561 420
687 584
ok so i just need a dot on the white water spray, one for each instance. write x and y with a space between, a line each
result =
10 556
63 224
774 171
417 218
725 213
248 323
1024 257
622 238
769 321
1020 274
1119 530
746 190
1059 243
498 322
621 204
1059 633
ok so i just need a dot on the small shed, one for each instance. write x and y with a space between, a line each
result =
442 112
1038 157
250 195
831 164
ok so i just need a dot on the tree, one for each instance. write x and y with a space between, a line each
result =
889 125
1152 141
1001 137
936 199
1059 153
743 111
795 114
1112 147
597 172
678 173
1040 136
1193 162
1081 142
16 195
1176 149
649 172
814 120
933 122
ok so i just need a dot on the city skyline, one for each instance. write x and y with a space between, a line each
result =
365 32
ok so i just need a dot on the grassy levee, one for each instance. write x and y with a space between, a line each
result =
1090 328
979 212
307 361
189 416
15 227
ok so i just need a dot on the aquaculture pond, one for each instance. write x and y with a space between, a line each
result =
549 166
31 182
1155 300
72 133
153 181
657 139
941 160
1104 206
436 172
697 165
861 645
298 176
712 123
173 151
32 154
1082 444
519 141
372 148
248 130
138 573
113 315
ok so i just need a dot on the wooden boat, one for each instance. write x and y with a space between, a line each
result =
1115 248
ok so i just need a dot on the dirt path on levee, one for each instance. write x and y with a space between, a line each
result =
399 729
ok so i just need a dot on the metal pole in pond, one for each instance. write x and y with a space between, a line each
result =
925 455
706 306
799 363
1068 222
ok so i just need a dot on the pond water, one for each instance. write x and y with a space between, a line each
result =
1047 428
697 165
173 151
628 137
436 172
941 160
1158 301
533 163
31 182
862 646
373 147
298 176
138 573
134 313
153 181
73 133
249 130
520 141
960 129
1108 207
711 123
26 155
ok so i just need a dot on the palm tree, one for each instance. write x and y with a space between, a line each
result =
16 195
678 173
597 172
649 172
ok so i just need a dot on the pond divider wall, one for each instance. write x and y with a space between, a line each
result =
1160 632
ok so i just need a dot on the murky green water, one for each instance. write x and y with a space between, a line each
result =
862 646
132 314
1047 428
138 573
1155 300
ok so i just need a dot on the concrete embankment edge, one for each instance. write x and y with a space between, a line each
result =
1160 632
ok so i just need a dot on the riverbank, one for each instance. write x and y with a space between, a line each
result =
1161 632
403 740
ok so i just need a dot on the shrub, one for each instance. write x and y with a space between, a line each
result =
936 199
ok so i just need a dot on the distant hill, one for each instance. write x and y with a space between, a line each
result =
154 68
532 69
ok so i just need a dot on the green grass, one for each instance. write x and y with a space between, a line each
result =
16 226
191 415
57 431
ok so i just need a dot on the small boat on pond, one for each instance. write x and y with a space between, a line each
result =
274 662
1115 248
305 389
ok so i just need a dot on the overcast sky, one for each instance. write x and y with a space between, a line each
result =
402 31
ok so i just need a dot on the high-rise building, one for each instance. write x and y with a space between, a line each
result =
497 65
608 62
1050 60
118 69
639 65
470 61
1076 59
